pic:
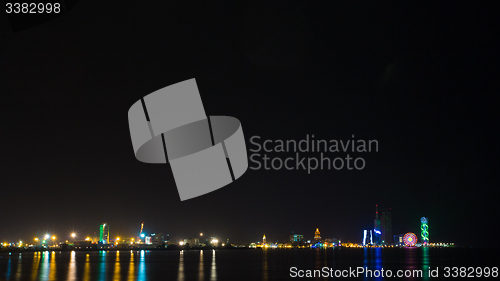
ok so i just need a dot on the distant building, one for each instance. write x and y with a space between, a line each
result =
95 238
317 235
160 238
84 245
104 233
264 239
192 242
367 237
296 237
376 229
334 241
398 240
386 227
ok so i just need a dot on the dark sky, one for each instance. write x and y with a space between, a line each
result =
416 77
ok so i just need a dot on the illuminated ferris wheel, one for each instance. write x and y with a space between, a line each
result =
410 239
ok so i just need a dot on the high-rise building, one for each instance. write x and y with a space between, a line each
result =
317 235
386 227
367 237
264 239
296 237
161 238
104 233
376 228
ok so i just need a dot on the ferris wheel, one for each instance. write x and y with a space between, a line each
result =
410 239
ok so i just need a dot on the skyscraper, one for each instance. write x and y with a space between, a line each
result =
376 228
386 226
104 233
367 237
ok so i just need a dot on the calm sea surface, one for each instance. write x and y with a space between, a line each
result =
273 264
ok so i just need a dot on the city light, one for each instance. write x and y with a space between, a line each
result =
295 241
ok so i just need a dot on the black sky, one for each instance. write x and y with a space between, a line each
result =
416 77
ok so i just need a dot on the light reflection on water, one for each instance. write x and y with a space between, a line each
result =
213 268
141 275
35 265
72 267
44 266
229 265
264 265
200 268
86 272
131 267
102 266
425 263
116 273
372 260
180 272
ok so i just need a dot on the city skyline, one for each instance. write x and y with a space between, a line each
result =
104 234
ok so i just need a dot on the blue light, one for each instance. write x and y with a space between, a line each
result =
142 235
377 231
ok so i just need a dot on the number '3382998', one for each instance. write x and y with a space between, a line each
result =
32 8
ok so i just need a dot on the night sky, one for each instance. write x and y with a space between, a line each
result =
416 77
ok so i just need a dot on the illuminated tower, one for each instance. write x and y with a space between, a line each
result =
424 227
317 235
376 228
264 239
104 233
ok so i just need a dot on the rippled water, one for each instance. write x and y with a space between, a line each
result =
231 264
